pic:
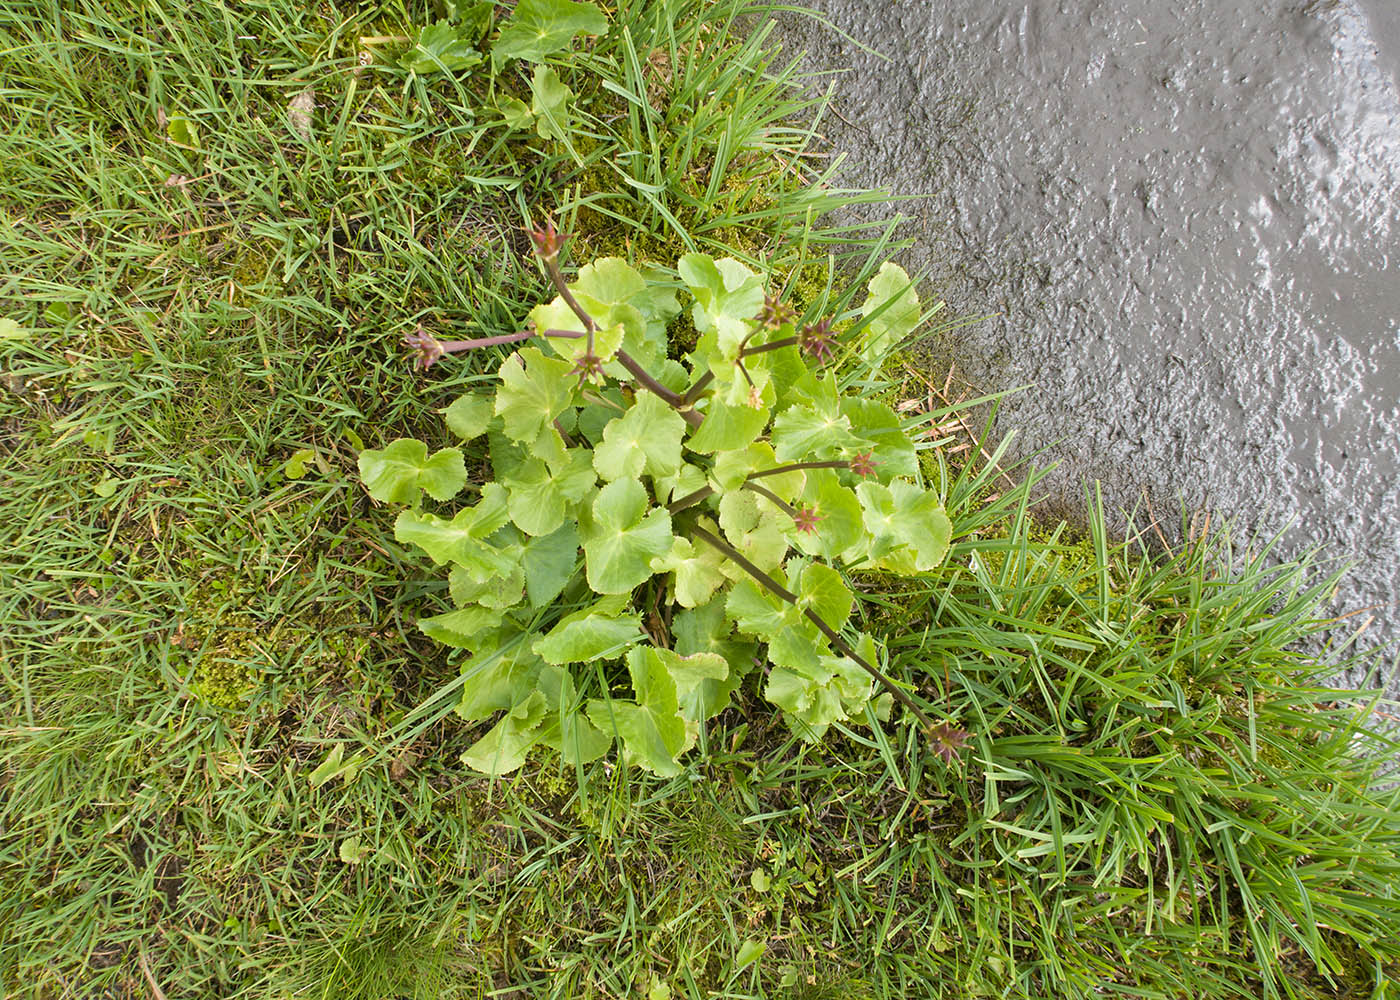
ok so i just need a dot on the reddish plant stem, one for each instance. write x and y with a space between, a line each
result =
762 491
639 373
691 499
772 345
458 346
643 377
556 277
797 466
693 393
841 645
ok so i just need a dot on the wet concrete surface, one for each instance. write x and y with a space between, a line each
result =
1186 216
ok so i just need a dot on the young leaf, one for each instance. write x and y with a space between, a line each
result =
685 481
550 104
462 628
540 497
534 391
757 529
910 527
892 287
696 568
469 415
728 427
647 438
539 28
624 537
396 474
441 47
731 468
590 634
473 19
727 298
503 749
814 695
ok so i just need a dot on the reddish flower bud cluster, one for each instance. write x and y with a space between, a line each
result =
427 349
548 241
805 519
863 464
775 312
948 739
588 366
817 341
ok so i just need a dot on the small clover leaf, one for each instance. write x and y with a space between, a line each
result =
727 298
398 472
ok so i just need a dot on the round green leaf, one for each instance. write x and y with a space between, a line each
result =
624 537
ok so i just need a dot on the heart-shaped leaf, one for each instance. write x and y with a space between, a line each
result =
539 28
587 635
624 537
397 473
534 391
647 438
442 47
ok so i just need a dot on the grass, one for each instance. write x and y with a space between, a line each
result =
1163 800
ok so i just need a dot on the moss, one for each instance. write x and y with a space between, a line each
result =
229 652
